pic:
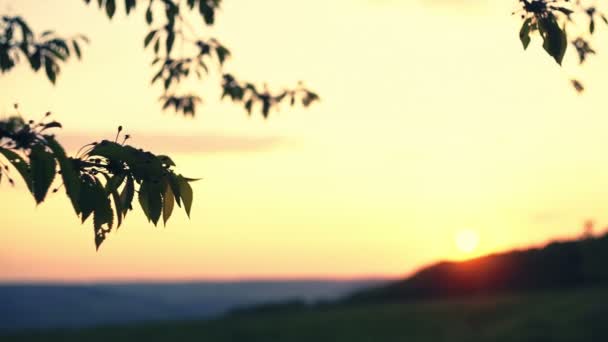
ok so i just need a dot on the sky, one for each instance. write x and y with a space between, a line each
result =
433 121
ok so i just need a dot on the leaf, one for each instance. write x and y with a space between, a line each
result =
35 60
174 184
524 33
87 197
102 213
150 200
52 124
157 47
118 207
49 68
555 39
185 192
170 41
149 37
578 86
69 174
222 54
592 26
43 171
166 160
114 183
110 8
129 5
265 106
565 10
168 203
77 49
126 196
207 12
149 15
248 106
20 165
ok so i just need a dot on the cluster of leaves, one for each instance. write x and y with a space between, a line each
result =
47 50
550 18
249 95
101 180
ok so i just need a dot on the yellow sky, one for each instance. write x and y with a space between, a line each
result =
432 121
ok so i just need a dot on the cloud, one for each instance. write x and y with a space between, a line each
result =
203 143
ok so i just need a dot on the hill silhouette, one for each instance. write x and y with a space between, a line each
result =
558 265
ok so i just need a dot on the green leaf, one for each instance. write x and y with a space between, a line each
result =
126 196
173 181
118 207
43 171
102 213
149 15
157 47
110 8
20 165
168 203
129 5
222 54
149 37
564 10
170 41
150 199
592 26
87 197
207 12
524 33
69 173
49 68
114 183
555 39
166 160
52 124
185 192
77 49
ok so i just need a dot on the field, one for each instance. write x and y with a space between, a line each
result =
574 315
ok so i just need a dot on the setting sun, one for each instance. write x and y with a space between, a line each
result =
467 240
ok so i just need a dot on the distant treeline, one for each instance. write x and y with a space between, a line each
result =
559 265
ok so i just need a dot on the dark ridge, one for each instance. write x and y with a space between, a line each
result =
559 265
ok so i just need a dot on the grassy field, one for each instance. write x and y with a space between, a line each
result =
575 315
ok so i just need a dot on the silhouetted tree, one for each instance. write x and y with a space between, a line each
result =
48 51
551 19
102 179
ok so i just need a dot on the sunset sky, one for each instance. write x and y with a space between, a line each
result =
433 120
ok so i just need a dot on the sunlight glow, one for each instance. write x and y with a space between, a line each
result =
467 240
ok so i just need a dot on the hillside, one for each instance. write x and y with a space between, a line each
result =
557 316
43 306
559 265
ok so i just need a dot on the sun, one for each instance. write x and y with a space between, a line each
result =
466 240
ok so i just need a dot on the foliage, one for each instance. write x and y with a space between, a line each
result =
47 50
101 181
173 68
551 19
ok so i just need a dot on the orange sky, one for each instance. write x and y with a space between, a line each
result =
432 121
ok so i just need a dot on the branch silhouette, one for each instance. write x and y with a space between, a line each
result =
101 180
